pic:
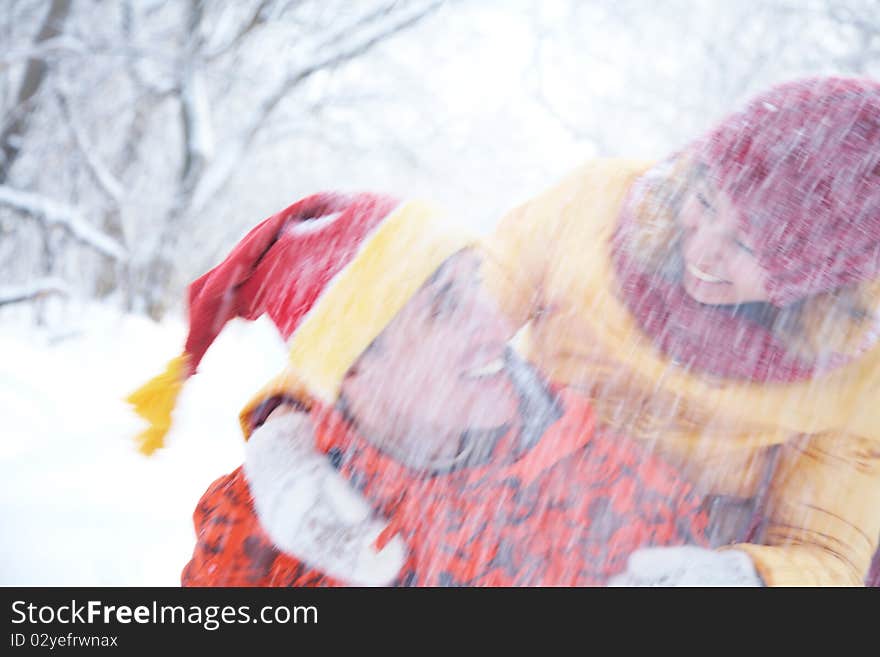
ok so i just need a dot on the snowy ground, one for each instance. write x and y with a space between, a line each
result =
80 505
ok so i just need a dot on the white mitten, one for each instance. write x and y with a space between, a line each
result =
310 511
687 566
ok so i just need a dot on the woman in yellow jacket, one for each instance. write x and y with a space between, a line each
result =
723 307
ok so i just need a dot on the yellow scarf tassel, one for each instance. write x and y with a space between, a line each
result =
155 400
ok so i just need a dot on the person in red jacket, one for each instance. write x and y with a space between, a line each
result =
408 443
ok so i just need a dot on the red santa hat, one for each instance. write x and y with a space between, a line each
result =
279 268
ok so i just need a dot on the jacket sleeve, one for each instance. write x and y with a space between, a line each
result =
286 388
513 265
823 513
536 246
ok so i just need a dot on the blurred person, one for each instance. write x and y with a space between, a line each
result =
406 443
723 307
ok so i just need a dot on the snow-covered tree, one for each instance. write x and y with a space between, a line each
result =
132 118
141 138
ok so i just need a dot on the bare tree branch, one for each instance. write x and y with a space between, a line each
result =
258 18
34 75
54 47
67 47
37 289
361 23
105 180
68 217
362 48
198 146
233 154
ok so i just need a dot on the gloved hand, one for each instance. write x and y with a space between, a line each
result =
309 510
687 566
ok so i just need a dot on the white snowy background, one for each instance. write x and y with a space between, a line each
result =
80 506
162 131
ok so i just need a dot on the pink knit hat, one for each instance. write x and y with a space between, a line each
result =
801 163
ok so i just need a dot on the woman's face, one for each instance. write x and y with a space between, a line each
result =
720 267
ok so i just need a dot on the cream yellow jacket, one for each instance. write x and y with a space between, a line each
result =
548 264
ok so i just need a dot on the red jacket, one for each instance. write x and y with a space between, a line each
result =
567 512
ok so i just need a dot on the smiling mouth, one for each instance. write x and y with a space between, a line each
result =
486 370
700 275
